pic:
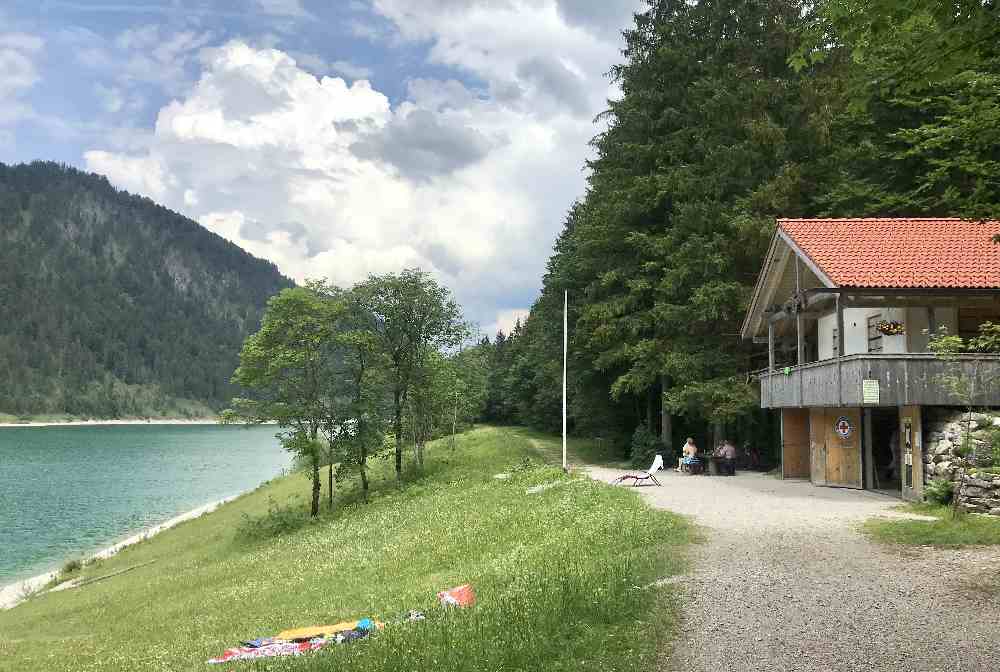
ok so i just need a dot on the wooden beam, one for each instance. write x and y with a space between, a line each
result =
770 346
841 336
800 337
841 339
799 254
816 304
894 301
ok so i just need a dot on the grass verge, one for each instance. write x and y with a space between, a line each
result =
948 530
556 574
579 450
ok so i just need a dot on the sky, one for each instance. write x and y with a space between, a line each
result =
336 138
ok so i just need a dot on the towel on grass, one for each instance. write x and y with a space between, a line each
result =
316 631
269 650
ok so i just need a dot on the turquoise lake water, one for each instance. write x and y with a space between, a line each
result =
70 491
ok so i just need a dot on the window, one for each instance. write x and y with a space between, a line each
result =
874 335
836 342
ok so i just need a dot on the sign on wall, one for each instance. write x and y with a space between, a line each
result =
843 427
869 391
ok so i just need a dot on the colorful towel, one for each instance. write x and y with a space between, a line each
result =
313 631
269 650
316 631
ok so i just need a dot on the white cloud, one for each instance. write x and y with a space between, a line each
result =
287 8
351 70
21 42
328 179
507 319
115 99
18 74
318 65
147 175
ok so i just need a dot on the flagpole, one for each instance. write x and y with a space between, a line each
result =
565 349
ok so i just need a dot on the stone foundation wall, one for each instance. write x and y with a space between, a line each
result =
966 463
979 494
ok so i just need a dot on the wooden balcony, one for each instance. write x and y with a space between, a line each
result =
903 380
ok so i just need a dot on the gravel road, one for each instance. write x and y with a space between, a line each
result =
786 582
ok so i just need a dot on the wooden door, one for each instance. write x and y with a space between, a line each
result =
795 459
817 446
835 438
911 453
843 453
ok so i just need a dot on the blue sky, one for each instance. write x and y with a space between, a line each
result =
335 138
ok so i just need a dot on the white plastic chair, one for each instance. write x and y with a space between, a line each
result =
643 479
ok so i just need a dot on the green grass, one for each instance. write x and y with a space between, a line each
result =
555 572
578 450
947 531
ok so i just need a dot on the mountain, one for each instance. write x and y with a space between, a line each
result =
111 305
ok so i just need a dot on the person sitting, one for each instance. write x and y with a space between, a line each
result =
689 456
727 458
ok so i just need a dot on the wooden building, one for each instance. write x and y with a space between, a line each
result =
846 307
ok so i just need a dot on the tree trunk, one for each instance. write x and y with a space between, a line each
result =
398 429
420 454
330 488
666 421
314 509
363 460
651 411
316 482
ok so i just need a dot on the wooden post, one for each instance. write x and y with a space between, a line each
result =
868 457
770 346
565 359
799 319
841 338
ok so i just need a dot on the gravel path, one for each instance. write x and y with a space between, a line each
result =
786 582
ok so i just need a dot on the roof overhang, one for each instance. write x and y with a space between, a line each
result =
780 251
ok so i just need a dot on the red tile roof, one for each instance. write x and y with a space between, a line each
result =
919 253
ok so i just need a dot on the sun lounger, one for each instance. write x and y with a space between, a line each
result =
643 479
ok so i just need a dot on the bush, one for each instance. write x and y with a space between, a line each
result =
71 566
967 447
993 437
644 446
939 491
277 521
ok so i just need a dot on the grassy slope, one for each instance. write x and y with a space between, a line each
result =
555 573
579 450
947 530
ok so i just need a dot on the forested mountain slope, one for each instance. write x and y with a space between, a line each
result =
734 113
111 305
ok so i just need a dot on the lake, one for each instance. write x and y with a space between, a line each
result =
70 491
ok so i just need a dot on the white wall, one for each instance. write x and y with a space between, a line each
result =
826 325
856 328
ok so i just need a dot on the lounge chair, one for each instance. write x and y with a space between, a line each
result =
642 479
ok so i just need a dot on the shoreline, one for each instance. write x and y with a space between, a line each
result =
14 593
97 423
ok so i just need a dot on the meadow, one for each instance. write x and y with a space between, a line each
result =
562 575
949 529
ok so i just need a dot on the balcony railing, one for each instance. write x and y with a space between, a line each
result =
902 380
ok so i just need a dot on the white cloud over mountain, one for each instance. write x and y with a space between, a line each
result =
18 73
468 177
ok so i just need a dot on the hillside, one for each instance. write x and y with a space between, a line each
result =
111 305
555 574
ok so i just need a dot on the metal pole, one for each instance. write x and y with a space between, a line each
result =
565 351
